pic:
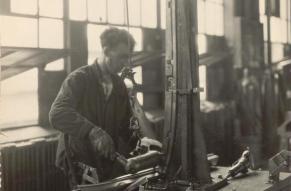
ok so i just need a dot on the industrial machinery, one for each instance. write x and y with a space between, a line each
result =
182 164
276 164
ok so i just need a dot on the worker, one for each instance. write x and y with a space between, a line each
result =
93 111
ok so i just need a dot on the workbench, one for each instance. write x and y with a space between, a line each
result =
253 181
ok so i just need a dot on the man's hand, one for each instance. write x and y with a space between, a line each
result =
145 145
102 143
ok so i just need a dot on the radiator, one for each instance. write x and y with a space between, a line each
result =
29 166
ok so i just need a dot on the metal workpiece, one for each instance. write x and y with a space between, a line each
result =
140 162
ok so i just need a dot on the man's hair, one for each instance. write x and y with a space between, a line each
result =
113 36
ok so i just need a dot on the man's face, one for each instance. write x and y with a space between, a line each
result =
118 57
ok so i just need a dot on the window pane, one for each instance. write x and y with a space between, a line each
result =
51 8
24 6
210 17
216 1
139 96
19 100
214 19
277 52
201 16
51 33
284 31
17 31
138 74
57 65
214 15
163 13
97 10
116 12
134 12
262 7
202 43
263 20
78 10
137 35
275 24
149 13
94 45
277 27
283 9
219 21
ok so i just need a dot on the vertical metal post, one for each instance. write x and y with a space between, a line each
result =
182 81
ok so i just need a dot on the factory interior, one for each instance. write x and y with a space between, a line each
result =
212 78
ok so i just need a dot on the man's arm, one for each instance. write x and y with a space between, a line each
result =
63 114
65 117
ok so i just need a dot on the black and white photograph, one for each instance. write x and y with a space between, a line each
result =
145 95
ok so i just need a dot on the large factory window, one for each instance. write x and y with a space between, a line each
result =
45 30
24 6
210 16
18 31
141 13
210 20
19 100
280 22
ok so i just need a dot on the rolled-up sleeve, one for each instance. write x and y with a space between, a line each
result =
64 115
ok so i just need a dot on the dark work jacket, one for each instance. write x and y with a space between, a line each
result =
80 106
